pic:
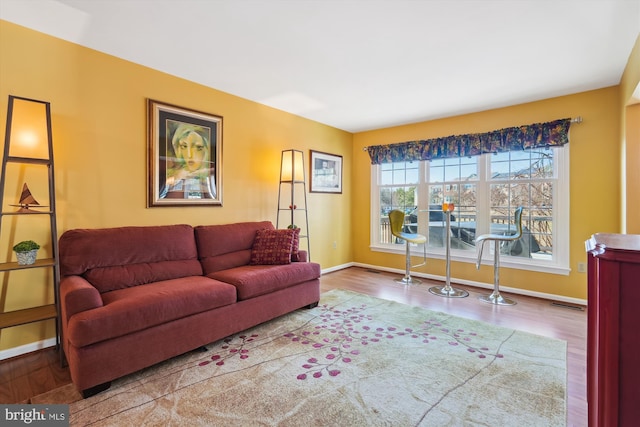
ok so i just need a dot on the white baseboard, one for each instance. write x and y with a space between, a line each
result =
27 348
551 297
338 267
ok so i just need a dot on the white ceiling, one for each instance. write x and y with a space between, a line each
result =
359 64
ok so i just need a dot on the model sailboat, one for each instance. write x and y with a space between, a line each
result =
27 201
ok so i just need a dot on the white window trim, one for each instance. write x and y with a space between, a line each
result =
559 265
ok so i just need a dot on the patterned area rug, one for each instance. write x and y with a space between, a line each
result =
354 360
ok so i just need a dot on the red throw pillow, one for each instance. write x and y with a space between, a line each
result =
295 252
272 247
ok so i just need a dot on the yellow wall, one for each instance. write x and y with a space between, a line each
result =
629 83
631 176
98 107
594 193
631 76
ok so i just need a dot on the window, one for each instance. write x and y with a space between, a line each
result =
485 190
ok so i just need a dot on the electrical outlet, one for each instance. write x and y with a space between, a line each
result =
582 267
335 245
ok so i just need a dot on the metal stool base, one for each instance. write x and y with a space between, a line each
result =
408 280
448 291
496 299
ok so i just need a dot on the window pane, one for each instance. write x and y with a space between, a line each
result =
542 163
499 165
463 219
398 176
412 176
403 198
452 173
520 169
399 173
499 194
386 177
540 225
469 172
385 201
436 217
519 195
524 169
436 171
455 189
541 194
435 195
398 190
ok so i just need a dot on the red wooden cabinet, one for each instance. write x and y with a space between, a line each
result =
613 334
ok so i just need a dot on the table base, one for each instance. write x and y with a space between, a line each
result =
448 291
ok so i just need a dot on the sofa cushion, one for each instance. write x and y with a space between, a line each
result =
255 280
107 279
117 258
225 246
272 247
141 307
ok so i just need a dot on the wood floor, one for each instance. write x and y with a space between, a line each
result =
29 375
32 374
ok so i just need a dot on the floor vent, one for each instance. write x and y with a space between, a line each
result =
373 271
569 306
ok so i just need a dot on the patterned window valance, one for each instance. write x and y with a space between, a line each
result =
550 134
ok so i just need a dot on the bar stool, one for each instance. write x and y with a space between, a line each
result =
396 221
495 297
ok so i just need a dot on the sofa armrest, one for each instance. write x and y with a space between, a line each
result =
77 295
302 256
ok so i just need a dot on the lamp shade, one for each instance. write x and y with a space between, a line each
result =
28 128
292 166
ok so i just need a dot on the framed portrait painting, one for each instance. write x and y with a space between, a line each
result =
185 156
326 173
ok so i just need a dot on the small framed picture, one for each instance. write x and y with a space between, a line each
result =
326 173
185 156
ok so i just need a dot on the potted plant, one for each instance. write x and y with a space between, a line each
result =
26 252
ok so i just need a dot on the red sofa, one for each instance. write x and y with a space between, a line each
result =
131 297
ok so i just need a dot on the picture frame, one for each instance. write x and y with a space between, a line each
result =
184 156
326 173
